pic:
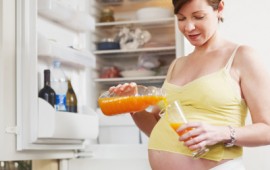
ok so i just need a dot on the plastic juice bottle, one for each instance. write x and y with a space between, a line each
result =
59 84
112 105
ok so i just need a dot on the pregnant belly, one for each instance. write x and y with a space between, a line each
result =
162 160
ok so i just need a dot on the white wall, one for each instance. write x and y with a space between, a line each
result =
247 22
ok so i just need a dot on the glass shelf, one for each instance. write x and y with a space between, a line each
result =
119 2
151 22
144 80
139 50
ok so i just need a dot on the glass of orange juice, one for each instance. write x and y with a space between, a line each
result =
113 104
177 118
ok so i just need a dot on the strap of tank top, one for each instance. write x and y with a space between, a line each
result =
170 69
229 63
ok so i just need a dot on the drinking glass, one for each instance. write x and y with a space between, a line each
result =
176 118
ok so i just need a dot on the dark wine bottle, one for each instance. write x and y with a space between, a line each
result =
71 99
47 93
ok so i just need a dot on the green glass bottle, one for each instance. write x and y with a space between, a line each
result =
71 99
47 93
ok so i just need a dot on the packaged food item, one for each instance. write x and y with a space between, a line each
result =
110 72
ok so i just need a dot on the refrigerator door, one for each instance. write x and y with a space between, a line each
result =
39 126
19 105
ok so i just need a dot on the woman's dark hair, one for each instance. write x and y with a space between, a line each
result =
178 4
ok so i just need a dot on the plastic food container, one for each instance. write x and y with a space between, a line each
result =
137 73
111 1
152 13
113 104
108 45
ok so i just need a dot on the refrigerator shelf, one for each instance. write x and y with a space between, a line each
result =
121 2
65 15
157 22
48 48
139 50
144 80
53 125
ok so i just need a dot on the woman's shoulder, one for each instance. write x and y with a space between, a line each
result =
241 49
246 50
178 60
175 63
248 58
181 59
246 54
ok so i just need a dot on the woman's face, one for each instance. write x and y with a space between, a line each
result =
198 21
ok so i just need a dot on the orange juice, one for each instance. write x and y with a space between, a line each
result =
123 104
175 126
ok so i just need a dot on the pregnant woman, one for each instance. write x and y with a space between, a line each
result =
216 84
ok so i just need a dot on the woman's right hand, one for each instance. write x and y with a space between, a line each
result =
124 89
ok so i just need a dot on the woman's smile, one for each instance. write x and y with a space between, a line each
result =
193 36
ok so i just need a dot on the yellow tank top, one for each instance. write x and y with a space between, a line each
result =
213 99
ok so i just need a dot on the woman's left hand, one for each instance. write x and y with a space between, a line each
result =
202 135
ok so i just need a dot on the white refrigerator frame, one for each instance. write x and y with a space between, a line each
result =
39 126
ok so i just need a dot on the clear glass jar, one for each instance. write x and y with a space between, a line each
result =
113 104
107 15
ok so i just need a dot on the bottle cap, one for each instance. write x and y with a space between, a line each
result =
56 63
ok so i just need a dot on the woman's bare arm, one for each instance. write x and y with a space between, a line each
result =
255 86
146 120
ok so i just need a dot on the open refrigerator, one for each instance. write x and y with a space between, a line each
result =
41 31
32 34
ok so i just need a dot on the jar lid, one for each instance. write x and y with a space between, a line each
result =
107 11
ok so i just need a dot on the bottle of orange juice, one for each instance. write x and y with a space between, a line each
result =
112 104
